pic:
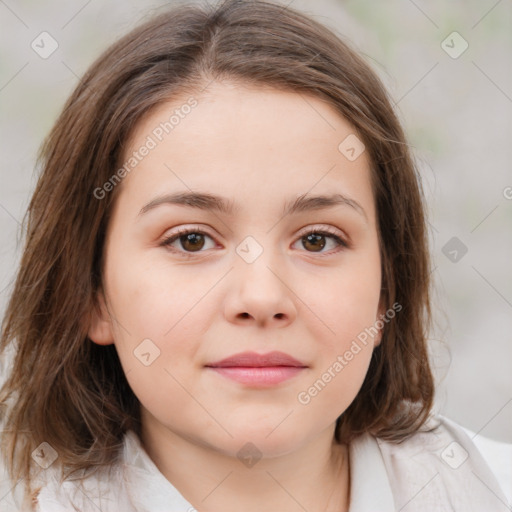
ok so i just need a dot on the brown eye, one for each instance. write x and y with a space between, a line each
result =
314 242
188 241
192 241
321 241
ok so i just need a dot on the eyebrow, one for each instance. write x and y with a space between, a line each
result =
210 202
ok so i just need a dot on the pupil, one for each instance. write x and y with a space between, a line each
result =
316 242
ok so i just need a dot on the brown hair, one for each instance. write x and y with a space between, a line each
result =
72 393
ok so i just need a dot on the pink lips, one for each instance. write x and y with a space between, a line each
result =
258 370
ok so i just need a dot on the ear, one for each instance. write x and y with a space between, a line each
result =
100 324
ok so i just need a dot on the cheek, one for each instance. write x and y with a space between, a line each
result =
154 297
159 318
336 383
345 337
163 321
345 302
343 355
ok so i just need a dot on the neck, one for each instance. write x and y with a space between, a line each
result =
315 477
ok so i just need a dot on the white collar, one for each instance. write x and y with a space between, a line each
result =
369 482
149 491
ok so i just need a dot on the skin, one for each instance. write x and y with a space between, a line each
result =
259 148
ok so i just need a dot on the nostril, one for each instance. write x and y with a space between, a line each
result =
279 315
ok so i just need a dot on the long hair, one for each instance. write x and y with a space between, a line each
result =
70 392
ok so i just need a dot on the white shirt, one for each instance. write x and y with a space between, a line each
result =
441 470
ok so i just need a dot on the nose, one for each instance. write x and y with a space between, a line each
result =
259 295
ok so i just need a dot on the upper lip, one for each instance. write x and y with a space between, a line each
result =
252 359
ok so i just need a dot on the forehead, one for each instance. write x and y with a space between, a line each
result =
245 140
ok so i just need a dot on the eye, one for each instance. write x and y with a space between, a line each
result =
319 239
189 240
195 240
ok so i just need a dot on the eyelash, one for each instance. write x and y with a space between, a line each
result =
327 232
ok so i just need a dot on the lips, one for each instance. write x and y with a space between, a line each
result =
254 360
258 370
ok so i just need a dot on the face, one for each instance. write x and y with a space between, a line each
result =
242 263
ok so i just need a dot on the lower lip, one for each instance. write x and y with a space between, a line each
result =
259 376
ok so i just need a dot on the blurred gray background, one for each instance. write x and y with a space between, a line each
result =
453 92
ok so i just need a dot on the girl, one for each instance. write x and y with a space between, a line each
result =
223 300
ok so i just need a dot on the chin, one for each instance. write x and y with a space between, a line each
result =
264 442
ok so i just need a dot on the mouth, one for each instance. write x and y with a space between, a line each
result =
258 370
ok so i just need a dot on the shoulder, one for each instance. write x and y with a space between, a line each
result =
440 466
